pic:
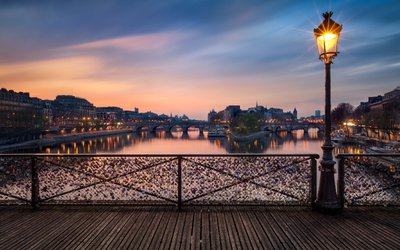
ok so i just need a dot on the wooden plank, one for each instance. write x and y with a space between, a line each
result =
60 240
223 231
255 240
100 235
357 239
365 225
314 228
123 218
166 240
77 236
46 235
274 234
7 216
280 225
290 227
22 221
136 217
232 232
389 218
159 235
215 235
328 231
343 232
199 228
205 230
259 231
136 229
187 231
177 235
195 240
243 234
152 230
25 231
311 233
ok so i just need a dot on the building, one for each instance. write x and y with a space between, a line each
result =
378 103
392 94
231 112
70 111
317 113
212 116
149 116
109 115
164 117
21 117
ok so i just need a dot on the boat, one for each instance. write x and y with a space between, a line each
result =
217 133
338 139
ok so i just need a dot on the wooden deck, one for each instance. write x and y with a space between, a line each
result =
197 228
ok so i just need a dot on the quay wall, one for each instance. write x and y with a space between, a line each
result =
45 142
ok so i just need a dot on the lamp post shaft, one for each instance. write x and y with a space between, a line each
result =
328 127
327 198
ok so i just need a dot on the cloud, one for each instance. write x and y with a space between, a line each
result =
50 69
142 42
191 56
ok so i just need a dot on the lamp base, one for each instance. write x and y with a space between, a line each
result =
327 207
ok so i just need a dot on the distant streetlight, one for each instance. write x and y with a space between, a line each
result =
327 36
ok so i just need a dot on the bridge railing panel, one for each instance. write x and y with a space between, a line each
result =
369 179
98 179
16 179
157 179
248 179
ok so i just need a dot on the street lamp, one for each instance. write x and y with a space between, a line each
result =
327 36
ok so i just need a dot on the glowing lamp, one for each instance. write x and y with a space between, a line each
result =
327 36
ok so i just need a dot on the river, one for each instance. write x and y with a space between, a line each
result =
194 143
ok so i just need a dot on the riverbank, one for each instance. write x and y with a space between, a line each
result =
56 140
364 140
249 137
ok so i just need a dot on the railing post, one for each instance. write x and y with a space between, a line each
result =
341 181
35 184
313 182
179 183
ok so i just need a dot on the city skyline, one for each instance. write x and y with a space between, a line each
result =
190 57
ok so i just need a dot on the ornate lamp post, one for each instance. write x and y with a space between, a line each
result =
327 36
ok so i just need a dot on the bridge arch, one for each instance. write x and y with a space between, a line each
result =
154 128
278 129
169 128
140 128
198 126
267 129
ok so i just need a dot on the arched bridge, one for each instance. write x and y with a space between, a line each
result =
290 126
168 126
201 125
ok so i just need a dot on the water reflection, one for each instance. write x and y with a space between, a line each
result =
193 142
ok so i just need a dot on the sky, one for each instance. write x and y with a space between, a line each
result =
191 56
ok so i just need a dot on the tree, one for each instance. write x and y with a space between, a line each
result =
342 112
246 124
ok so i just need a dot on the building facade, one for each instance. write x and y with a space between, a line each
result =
72 111
21 117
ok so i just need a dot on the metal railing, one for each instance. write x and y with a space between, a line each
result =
158 179
369 179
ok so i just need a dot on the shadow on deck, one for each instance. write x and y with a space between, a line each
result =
202 227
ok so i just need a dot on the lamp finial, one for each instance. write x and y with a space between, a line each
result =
327 15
